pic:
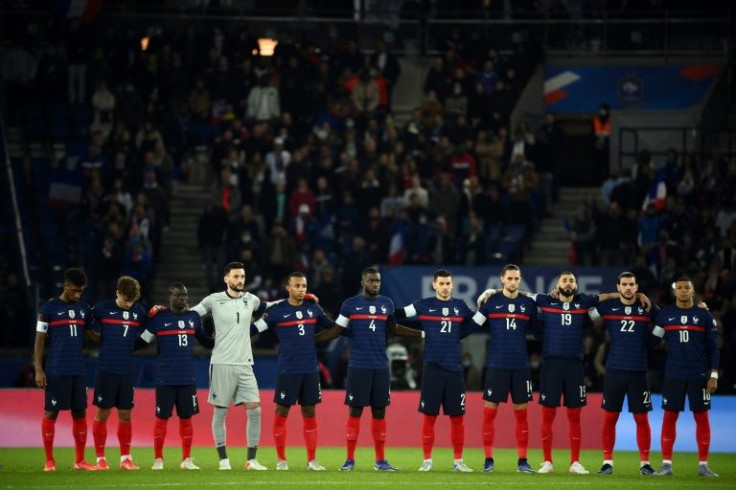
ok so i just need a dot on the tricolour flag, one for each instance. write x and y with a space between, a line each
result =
657 193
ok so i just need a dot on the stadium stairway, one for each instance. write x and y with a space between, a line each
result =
550 243
180 257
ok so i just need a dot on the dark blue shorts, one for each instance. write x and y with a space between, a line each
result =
502 382
65 393
184 398
562 376
442 387
631 384
368 388
674 392
304 388
113 390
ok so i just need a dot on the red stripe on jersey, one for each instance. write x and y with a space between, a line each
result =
695 328
175 332
560 310
297 322
508 315
56 323
134 323
627 317
369 317
441 318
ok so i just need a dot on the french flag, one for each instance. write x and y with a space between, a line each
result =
396 247
86 10
657 194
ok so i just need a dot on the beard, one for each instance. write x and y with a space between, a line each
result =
568 291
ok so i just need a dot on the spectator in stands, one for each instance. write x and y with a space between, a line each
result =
601 144
649 228
582 235
280 252
277 161
200 103
163 164
456 103
437 79
462 164
226 195
616 236
445 202
520 180
103 103
211 235
386 63
147 136
489 152
416 189
474 242
365 96
264 103
550 141
329 292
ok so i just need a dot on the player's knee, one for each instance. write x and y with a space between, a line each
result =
124 415
79 414
51 414
283 410
252 405
308 411
378 413
356 411
102 414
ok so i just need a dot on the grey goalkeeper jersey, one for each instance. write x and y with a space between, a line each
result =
232 318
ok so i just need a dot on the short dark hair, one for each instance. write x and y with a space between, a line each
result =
129 287
441 273
295 274
369 270
76 276
565 273
626 275
177 286
233 265
509 267
684 279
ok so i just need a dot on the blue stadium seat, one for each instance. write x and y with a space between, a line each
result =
201 133
56 113
81 114
59 130
37 129
32 112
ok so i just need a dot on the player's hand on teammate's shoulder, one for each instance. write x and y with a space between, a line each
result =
485 296
645 301
555 293
311 297
155 310
702 304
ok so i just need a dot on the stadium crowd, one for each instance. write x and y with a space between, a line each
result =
311 172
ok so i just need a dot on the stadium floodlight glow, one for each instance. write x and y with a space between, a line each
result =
266 46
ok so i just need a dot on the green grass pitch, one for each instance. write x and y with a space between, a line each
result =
22 469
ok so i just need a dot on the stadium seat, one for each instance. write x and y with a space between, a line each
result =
56 113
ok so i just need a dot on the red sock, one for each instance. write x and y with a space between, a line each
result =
159 436
457 435
608 433
378 428
99 435
48 430
643 435
548 418
669 433
310 437
351 434
125 435
79 429
279 435
702 434
186 432
489 430
522 432
574 430
428 434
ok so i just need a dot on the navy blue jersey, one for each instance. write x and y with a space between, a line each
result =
295 327
629 330
64 325
691 339
366 322
175 334
509 323
562 324
119 329
441 322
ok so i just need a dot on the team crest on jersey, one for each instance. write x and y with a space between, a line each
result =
512 308
191 323
522 308
641 310
628 310
135 316
457 312
81 314
180 323
683 319
383 310
126 315
577 306
372 309
299 315
695 319
71 313
565 306
309 312
445 311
